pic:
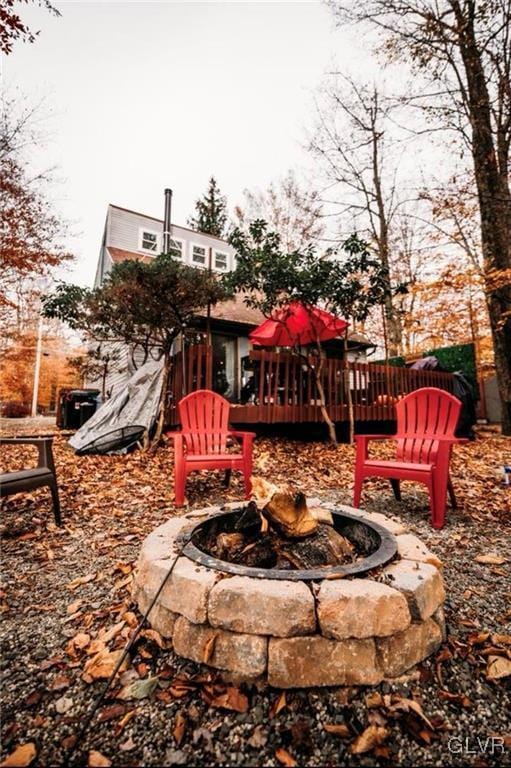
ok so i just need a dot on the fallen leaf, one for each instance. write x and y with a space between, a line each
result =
152 634
179 728
97 760
372 737
138 689
284 757
455 698
259 738
337 729
373 700
278 705
60 683
21 757
123 722
33 698
81 580
105 635
232 699
498 667
81 640
102 665
130 618
491 559
501 639
111 713
73 607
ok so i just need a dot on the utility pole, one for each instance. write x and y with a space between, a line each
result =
37 368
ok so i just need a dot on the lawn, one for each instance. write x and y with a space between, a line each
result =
66 592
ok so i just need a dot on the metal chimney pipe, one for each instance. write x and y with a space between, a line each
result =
167 221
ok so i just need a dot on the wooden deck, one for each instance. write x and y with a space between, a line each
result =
285 391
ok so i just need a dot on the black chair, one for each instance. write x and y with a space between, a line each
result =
29 479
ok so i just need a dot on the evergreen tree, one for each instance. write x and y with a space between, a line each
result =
210 212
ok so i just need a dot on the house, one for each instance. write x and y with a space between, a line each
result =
269 386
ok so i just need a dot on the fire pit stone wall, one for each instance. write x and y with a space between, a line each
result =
293 633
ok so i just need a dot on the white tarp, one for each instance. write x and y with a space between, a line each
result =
134 405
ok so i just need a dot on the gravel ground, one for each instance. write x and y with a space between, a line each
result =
111 503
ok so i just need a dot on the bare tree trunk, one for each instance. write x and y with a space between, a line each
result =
495 208
394 330
167 365
332 436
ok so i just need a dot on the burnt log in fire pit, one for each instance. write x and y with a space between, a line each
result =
373 546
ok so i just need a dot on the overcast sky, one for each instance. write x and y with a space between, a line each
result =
154 94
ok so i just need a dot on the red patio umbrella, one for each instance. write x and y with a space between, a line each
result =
299 325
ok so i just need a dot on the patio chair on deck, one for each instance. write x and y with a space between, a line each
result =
426 422
202 443
29 479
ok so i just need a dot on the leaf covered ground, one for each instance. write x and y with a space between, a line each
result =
67 613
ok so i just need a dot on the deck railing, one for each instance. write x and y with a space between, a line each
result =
285 391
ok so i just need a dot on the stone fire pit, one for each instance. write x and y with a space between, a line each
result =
354 630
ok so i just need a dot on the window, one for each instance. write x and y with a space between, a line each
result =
148 241
199 255
177 248
221 261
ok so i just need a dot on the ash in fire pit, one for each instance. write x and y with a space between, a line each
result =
277 536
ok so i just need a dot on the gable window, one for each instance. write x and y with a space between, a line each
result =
177 248
199 255
221 261
148 241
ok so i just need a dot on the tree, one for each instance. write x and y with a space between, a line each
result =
17 367
97 363
13 28
353 142
210 212
31 234
144 305
462 47
291 210
346 284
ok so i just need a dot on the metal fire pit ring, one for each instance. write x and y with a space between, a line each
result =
383 547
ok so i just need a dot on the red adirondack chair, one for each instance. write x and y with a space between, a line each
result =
202 443
426 422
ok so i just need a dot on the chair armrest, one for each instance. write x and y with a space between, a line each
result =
366 438
178 438
242 435
26 440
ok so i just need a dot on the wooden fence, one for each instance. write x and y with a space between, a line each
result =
285 391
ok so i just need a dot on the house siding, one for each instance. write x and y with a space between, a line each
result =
123 230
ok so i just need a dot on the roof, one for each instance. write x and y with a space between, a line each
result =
160 221
359 339
234 310
118 254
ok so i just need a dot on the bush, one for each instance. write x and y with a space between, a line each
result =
14 409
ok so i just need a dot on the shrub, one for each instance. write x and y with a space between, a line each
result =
14 409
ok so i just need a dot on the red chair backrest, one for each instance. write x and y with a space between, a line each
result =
422 416
204 417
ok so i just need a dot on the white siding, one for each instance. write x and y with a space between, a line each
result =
124 229
117 378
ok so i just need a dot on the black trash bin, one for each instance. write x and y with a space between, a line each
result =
78 405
